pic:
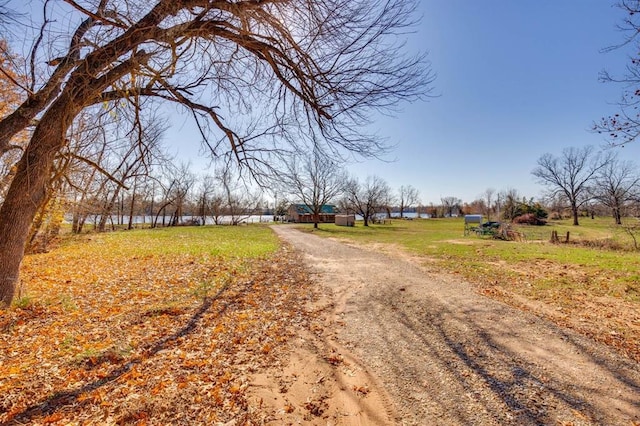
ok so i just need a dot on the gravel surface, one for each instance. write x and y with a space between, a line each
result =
445 355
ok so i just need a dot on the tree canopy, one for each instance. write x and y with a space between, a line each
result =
259 78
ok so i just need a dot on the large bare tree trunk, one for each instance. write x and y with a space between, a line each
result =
27 193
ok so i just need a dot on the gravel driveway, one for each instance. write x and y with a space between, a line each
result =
448 356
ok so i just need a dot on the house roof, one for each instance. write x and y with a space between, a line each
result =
325 209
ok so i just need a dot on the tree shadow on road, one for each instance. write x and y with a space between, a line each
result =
456 357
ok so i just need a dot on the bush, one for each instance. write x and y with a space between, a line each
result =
529 219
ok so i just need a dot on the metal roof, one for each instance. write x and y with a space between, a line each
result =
325 209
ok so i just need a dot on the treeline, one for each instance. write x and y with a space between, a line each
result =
107 178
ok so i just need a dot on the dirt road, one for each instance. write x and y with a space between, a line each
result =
439 354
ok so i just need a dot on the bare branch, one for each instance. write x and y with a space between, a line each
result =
100 169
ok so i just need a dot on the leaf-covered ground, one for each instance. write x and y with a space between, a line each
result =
111 332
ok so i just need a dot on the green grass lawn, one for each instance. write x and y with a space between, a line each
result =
221 241
540 264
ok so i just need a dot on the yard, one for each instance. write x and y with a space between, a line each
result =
585 284
156 326
171 325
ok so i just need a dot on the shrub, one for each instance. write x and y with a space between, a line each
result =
529 219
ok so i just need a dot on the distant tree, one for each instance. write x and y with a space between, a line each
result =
239 199
281 202
451 205
184 180
176 184
571 174
315 180
432 210
204 195
510 202
484 204
616 184
421 210
135 152
281 207
366 198
499 203
556 205
476 206
387 205
407 196
488 196
86 173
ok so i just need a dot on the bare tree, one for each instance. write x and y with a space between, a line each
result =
216 207
166 191
408 196
255 75
280 209
511 203
131 159
205 195
366 198
570 175
315 180
556 205
216 197
505 204
83 175
175 185
624 126
183 182
450 205
616 184
238 199
489 200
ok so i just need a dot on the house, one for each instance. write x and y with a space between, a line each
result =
302 213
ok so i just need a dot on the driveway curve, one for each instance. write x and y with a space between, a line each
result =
446 355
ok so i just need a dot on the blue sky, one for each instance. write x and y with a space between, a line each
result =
515 79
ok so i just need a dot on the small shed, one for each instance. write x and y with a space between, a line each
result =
345 220
470 220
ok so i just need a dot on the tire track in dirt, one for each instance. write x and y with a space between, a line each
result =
446 355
